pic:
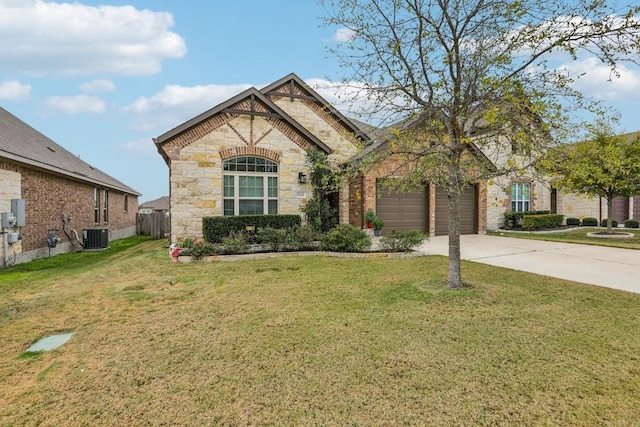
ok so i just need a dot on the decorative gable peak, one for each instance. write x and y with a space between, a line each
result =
252 103
294 88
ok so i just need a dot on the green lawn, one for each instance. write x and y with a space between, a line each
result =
579 235
311 341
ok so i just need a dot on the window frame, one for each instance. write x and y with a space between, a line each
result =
238 173
105 206
520 203
96 205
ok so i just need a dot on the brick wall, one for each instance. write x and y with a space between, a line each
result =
48 196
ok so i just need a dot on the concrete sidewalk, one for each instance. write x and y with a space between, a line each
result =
597 265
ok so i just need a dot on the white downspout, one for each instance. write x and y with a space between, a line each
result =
5 247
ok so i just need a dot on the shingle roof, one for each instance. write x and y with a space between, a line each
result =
21 143
160 204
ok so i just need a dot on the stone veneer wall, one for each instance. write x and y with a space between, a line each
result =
48 196
343 146
196 173
578 205
196 177
499 199
568 204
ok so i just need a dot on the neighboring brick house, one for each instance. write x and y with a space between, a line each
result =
61 192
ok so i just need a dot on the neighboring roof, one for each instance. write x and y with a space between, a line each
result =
21 143
382 136
160 204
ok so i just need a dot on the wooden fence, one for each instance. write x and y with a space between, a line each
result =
155 224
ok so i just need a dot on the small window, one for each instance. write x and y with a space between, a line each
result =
126 203
96 205
520 196
105 206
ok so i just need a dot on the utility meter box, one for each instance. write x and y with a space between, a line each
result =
18 210
8 220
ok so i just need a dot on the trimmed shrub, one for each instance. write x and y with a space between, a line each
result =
347 238
513 219
402 241
632 223
235 243
274 238
305 238
540 222
589 222
573 221
216 228
198 249
614 223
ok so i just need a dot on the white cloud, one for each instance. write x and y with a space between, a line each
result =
141 147
43 38
343 35
77 104
175 104
597 80
354 101
13 90
98 86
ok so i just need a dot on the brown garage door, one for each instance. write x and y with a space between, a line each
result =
620 209
468 211
403 211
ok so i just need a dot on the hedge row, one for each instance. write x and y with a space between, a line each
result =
632 223
513 219
540 222
216 228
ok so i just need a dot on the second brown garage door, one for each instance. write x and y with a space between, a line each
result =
468 211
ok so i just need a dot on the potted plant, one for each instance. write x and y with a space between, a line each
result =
368 218
377 224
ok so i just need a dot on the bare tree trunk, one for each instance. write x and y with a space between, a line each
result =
453 192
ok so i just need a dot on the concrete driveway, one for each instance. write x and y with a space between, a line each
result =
597 265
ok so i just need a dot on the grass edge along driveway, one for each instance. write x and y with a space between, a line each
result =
311 341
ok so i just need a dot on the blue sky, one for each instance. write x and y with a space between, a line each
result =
101 78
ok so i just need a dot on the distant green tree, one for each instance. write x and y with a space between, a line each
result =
606 166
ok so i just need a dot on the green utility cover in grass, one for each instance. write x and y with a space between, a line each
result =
50 343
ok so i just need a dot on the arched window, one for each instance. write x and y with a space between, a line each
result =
250 186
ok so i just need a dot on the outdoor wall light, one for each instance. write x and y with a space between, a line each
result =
302 178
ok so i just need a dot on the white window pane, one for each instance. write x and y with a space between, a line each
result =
273 186
251 186
229 186
228 207
251 207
